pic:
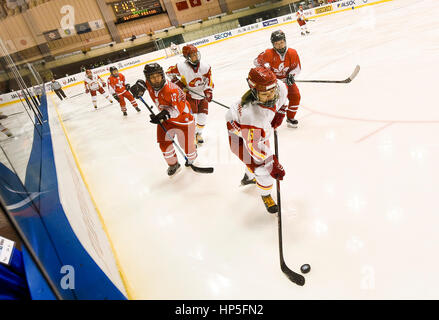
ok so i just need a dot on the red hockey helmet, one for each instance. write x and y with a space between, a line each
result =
88 73
263 79
188 50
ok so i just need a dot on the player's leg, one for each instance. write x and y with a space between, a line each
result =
168 149
249 177
264 182
193 106
301 24
237 147
293 106
203 111
131 99
94 98
186 139
305 27
122 104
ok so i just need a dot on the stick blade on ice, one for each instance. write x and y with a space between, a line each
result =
354 74
293 276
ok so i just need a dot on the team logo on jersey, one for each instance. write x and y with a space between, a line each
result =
196 82
281 70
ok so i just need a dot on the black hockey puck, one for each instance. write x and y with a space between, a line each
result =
305 268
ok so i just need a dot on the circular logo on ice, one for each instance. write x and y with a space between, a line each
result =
365 1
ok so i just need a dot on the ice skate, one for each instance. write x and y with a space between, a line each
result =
172 170
292 123
199 139
246 180
270 204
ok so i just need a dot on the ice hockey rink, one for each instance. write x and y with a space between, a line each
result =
359 199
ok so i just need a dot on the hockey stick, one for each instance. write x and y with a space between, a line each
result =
195 168
347 80
75 95
13 114
219 103
293 276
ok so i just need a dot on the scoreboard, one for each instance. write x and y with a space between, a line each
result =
128 10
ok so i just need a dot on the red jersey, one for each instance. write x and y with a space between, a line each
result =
172 98
117 84
281 65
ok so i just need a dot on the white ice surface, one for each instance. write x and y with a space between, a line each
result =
360 195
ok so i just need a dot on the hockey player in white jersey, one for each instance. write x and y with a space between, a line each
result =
195 77
250 123
302 21
174 48
93 84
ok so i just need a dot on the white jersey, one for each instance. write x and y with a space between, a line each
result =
252 120
94 83
300 15
197 79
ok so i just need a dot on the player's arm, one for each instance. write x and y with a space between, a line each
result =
86 86
111 88
295 68
262 60
208 88
102 81
282 106
174 74
233 125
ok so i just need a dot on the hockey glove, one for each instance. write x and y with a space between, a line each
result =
159 117
278 117
116 97
208 94
277 171
137 90
103 84
87 91
179 83
290 79
127 87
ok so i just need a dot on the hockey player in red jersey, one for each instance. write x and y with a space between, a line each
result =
175 115
285 64
250 123
302 21
93 84
120 90
197 76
